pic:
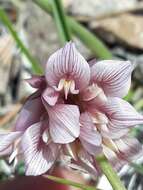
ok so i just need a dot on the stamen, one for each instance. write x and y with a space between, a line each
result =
109 143
68 86
45 136
13 155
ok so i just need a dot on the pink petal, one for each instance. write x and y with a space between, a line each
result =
116 162
7 151
30 113
115 132
7 139
37 81
129 148
93 92
64 123
89 136
121 114
67 63
86 161
50 96
113 76
38 156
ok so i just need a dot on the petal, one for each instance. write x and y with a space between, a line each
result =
114 133
121 114
38 156
67 63
113 76
50 96
64 123
129 148
116 162
86 161
37 81
30 113
7 139
89 136
93 92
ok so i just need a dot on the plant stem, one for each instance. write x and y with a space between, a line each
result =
91 41
60 20
110 173
68 182
35 65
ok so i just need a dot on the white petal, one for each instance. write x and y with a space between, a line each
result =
89 136
129 148
50 96
67 63
121 114
64 123
38 156
7 139
113 76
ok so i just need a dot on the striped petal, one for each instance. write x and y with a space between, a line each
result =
50 96
38 156
121 114
113 76
89 136
7 139
67 64
64 123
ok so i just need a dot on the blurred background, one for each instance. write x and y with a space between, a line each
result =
118 24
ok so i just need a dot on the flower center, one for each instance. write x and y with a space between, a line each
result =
68 86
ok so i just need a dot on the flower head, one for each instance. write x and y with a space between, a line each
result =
76 110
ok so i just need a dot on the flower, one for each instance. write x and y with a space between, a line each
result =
77 110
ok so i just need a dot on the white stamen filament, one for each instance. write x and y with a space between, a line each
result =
109 143
45 136
68 86
13 155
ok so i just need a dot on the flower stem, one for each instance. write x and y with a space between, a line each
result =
68 182
90 40
110 173
35 65
60 19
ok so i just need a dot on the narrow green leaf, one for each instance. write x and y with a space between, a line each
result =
110 173
91 41
70 183
60 20
35 65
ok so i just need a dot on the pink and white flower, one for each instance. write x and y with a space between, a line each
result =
77 109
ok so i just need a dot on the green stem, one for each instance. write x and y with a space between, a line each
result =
90 40
110 173
60 20
68 182
35 65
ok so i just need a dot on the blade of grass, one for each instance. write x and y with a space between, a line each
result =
91 41
68 182
35 65
110 173
60 20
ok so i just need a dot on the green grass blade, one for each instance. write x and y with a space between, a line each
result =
91 41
